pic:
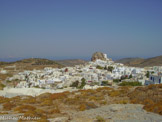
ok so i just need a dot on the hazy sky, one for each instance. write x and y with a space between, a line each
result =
77 28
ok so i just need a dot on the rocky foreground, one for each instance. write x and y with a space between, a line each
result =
126 104
117 113
113 113
109 113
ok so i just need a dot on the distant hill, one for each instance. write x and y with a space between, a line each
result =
3 63
130 61
71 62
33 63
39 63
140 62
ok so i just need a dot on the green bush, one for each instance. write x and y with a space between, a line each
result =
135 83
36 87
99 67
110 68
75 84
100 119
105 83
116 80
2 86
130 76
83 83
147 74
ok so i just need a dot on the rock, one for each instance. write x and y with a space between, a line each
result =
59 119
115 108
117 113
98 55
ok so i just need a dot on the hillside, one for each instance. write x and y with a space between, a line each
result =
71 62
3 63
31 63
38 63
139 62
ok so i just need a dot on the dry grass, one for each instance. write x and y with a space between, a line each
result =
150 96
52 105
8 106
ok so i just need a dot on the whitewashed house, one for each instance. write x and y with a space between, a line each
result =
154 79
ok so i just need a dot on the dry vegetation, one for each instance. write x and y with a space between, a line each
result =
139 62
30 64
150 97
49 105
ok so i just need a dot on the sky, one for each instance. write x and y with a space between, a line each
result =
65 29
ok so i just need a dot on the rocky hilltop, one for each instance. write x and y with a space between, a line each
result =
98 55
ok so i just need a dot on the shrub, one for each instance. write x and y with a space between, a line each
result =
123 101
93 98
103 89
29 100
2 86
36 87
110 68
82 107
116 80
96 83
103 102
3 113
105 83
54 111
30 113
130 76
87 105
124 77
158 108
58 95
90 105
152 87
88 92
24 108
148 102
99 67
40 112
43 97
134 101
75 84
47 103
147 74
126 88
159 86
15 99
32 101
4 100
100 119
114 93
8 106
83 83
72 101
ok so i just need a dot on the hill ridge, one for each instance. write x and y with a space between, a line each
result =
140 62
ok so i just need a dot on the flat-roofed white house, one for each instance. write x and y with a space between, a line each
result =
154 79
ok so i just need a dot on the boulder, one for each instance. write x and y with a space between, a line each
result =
98 55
